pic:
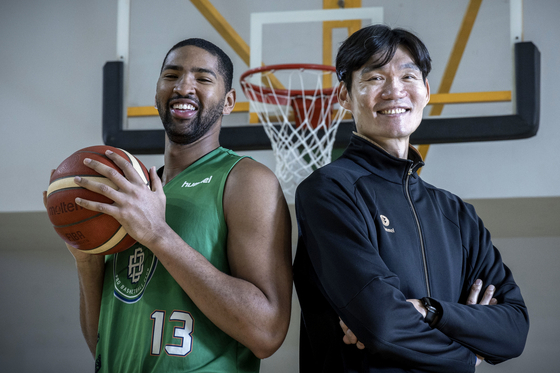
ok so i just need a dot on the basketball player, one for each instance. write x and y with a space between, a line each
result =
400 262
208 286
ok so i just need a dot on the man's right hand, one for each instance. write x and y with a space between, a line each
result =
349 337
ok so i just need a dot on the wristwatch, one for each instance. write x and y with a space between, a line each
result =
432 312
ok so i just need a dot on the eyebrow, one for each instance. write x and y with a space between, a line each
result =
203 70
194 69
404 66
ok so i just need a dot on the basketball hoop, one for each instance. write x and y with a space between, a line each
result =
300 121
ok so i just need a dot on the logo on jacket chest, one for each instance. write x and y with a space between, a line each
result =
386 224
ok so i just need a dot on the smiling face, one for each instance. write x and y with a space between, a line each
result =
387 102
190 94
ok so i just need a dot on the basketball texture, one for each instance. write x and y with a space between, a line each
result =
90 231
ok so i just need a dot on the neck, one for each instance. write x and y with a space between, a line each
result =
396 147
178 157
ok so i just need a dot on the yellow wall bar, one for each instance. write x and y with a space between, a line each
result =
469 97
454 60
457 52
351 25
436 98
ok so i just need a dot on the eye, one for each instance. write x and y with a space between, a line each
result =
204 79
410 76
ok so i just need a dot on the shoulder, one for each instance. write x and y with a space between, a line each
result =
248 172
451 205
251 183
340 175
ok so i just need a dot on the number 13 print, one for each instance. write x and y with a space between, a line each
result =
182 332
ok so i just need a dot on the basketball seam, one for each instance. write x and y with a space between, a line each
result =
101 248
78 222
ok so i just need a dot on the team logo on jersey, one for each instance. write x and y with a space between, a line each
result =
187 184
386 224
132 271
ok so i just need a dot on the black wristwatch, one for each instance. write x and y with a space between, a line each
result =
432 314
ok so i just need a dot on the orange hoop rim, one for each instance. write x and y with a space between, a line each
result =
285 92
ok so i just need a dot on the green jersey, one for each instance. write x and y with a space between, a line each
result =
147 322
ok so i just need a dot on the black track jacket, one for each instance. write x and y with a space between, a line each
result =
372 234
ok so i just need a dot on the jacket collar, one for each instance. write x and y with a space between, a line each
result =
370 155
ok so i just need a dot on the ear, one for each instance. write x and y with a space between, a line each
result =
229 102
427 91
344 97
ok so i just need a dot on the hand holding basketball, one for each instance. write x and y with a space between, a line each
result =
92 232
79 255
138 208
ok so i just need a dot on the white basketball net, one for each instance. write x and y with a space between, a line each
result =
301 127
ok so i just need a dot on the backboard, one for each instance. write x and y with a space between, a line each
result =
474 47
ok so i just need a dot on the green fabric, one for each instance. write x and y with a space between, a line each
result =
148 323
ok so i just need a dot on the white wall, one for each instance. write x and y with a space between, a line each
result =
53 53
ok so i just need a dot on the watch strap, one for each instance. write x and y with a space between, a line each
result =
432 312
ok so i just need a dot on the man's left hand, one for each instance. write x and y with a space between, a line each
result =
487 297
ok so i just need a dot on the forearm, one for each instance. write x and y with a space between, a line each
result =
395 331
238 307
496 332
90 275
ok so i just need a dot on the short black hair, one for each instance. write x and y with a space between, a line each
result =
225 66
381 41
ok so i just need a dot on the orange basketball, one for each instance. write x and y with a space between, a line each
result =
90 231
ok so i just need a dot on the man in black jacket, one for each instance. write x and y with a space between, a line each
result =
398 261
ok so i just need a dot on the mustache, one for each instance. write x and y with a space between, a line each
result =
187 97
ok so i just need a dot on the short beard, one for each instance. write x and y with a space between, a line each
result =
199 126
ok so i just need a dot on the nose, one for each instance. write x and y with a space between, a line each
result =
393 89
184 86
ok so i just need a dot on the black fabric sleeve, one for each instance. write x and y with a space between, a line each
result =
495 332
359 286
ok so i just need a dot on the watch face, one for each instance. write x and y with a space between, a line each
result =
431 309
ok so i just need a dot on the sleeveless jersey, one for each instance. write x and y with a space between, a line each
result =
147 322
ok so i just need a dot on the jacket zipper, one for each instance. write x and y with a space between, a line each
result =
419 232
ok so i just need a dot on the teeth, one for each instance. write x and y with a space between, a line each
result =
183 107
393 111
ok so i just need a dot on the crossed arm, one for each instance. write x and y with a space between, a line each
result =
252 305
487 299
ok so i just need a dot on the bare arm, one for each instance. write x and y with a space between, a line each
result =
252 305
91 269
90 276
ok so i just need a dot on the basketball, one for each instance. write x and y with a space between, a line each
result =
90 231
